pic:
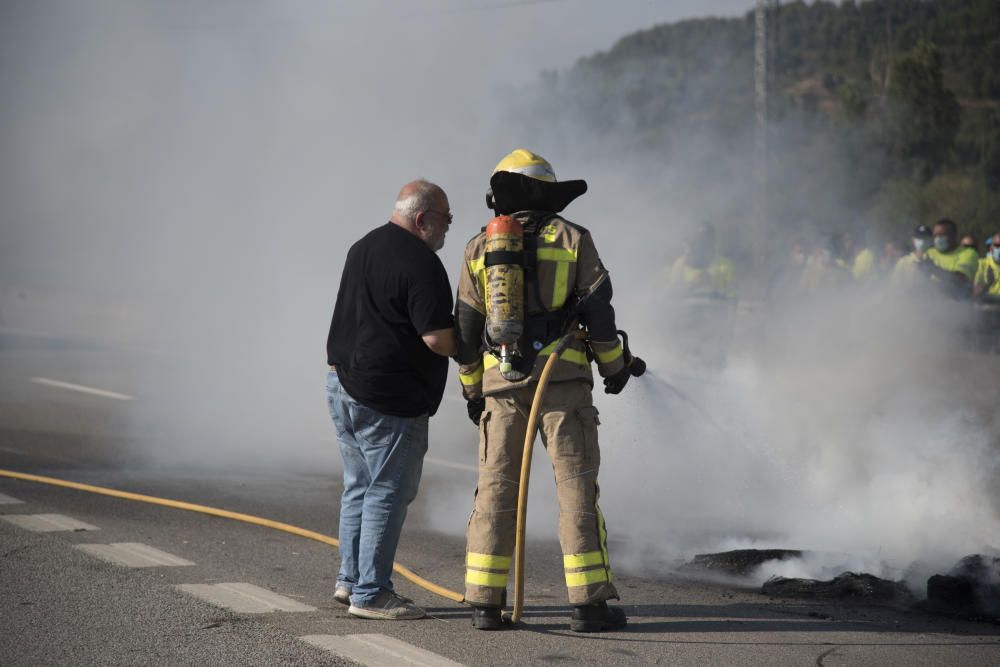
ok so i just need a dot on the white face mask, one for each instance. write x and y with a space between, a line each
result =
942 243
921 245
995 253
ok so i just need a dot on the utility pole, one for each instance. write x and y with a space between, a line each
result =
765 44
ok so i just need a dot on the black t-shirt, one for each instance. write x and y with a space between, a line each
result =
394 289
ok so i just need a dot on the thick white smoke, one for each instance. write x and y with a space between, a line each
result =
194 173
856 426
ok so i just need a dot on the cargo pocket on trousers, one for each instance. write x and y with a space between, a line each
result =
484 423
589 420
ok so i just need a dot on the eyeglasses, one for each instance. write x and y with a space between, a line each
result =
445 214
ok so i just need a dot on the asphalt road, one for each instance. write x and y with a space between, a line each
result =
59 604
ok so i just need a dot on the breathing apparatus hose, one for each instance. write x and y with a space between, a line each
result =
522 492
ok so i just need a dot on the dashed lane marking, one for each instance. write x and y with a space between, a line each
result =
133 554
46 523
8 500
378 651
82 389
243 598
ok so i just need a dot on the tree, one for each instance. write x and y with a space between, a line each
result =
923 116
853 100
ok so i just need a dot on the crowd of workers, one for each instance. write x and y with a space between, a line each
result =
939 259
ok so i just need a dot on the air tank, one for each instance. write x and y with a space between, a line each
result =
504 259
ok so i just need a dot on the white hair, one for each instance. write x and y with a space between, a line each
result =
420 198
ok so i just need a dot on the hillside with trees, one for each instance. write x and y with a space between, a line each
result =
884 112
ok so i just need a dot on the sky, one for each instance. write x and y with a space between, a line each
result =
105 100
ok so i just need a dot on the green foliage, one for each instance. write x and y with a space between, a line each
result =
986 72
959 195
854 100
886 111
991 167
922 116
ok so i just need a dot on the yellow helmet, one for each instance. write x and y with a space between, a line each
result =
521 161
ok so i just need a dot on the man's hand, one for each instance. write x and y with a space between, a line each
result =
475 406
615 383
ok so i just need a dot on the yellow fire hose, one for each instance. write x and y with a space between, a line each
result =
403 571
522 493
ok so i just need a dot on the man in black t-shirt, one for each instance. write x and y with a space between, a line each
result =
388 348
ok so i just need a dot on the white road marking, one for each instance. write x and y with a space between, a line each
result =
450 464
46 523
8 500
378 650
133 554
82 389
244 598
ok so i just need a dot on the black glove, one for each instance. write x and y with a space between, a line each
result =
475 406
615 383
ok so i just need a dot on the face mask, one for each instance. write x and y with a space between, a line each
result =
996 254
942 243
921 245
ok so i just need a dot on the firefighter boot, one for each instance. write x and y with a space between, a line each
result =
487 618
596 617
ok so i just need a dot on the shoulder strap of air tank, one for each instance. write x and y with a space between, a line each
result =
550 324
531 259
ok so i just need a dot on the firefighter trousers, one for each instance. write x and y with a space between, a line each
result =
568 426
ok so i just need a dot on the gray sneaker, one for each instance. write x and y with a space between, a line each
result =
342 595
387 606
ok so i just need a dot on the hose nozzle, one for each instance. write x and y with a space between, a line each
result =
635 365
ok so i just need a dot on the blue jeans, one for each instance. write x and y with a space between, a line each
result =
383 458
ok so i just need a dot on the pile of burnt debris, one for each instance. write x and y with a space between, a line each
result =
970 590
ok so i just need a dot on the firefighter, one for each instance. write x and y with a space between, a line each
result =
553 265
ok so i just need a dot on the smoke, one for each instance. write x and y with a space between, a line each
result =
856 426
192 175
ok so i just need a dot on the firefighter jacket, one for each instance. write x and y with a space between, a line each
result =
566 288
